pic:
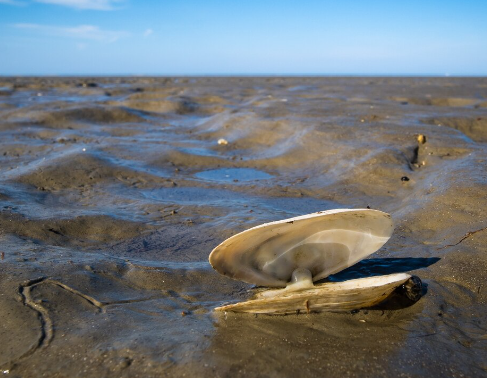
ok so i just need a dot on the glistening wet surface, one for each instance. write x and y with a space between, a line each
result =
233 175
225 198
114 191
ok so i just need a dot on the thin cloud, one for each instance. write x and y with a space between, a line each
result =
103 5
13 2
80 32
148 32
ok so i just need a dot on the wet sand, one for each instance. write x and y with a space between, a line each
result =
114 191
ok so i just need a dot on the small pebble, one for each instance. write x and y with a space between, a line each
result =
222 141
404 178
421 139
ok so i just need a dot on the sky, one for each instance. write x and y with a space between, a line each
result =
246 37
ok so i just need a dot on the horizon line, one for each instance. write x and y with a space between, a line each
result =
223 75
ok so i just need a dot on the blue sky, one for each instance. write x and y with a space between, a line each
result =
215 37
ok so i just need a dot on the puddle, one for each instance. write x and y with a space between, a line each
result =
229 199
302 88
199 151
5 90
233 174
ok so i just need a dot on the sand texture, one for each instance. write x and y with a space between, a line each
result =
114 191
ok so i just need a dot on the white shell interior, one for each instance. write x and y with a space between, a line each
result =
324 243
350 286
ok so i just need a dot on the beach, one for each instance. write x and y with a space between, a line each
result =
114 191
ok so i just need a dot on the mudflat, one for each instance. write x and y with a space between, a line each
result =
113 192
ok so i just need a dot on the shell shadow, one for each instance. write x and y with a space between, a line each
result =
380 267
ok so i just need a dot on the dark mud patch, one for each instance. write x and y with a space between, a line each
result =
369 118
204 105
5 106
79 231
224 198
77 307
447 101
190 159
379 168
5 91
154 106
98 115
190 278
122 132
19 330
18 149
473 127
149 102
79 170
263 340
4 197
66 118
143 95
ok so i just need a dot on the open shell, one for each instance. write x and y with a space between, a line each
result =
324 243
295 252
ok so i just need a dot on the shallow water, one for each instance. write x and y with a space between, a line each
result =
233 175
113 194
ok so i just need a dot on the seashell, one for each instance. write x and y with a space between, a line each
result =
324 243
328 296
294 253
